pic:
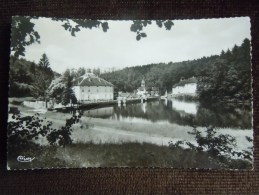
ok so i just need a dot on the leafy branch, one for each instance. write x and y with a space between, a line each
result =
24 34
25 129
138 26
219 146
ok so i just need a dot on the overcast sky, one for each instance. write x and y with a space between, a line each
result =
187 40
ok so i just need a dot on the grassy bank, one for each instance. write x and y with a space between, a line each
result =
118 155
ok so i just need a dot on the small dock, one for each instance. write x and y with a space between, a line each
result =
102 104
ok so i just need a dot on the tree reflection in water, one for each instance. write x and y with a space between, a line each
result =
182 113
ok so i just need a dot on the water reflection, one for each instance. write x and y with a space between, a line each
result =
144 107
100 112
181 113
185 107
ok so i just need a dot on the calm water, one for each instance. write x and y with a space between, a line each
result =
159 122
179 112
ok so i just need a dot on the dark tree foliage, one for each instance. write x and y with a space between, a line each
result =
228 78
44 61
62 136
218 146
68 93
224 77
23 130
80 72
139 25
23 34
161 75
42 77
20 77
29 79
42 80
97 71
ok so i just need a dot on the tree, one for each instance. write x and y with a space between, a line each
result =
33 68
23 34
228 77
23 130
68 93
138 26
44 61
41 83
220 147
97 71
245 47
80 72
155 77
56 89
61 88
42 77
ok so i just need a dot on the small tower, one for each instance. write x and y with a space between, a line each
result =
143 83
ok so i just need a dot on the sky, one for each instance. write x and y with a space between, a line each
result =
118 47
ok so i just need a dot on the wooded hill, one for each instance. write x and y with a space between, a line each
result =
220 77
224 77
28 78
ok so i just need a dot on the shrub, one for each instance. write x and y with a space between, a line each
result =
23 130
221 146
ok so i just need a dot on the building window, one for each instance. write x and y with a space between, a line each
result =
82 90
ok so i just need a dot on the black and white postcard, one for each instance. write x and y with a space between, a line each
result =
130 93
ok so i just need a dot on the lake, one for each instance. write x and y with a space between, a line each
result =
179 112
158 122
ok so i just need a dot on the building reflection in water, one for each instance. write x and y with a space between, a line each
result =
178 112
186 107
144 107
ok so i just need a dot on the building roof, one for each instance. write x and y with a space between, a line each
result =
186 81
89 79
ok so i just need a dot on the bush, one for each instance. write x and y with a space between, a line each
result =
220 147
23 130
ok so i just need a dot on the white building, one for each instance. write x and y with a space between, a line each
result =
142 89
90 87
185 87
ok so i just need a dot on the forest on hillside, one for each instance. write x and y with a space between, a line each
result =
28 78
220 77
224 77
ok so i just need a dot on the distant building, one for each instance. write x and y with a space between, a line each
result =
126 95
154 91
90 87
185 87
142 89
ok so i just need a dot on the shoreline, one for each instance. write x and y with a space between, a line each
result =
101 142
100 130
